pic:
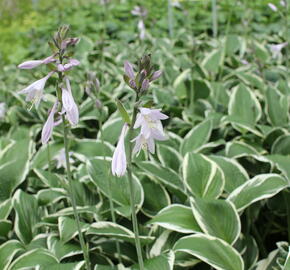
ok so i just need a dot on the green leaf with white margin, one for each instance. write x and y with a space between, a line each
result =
213 60
211 250
281 145
153 190
118 189
66 266
112 129
202 176
50 195
60 249
114 230
36 257
197 137
277 107
39 161
88 148
161 262
218 218
26 209
260 187
169 157
243 105
51 180
235 175
7 251
14 166
5 227
5 209
238 149
165 175
176 217
287 263
67 228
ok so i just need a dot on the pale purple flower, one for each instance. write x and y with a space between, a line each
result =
34 92
48 126
30 64
2 110
156 75
273 7
139 11
283 3
142 29
69 105
276 49
34 63
68 66
119 161
61 160
128 68
142 143
150 122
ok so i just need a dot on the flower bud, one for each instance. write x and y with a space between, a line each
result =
128 68
132 84
145 85
98 104
156 75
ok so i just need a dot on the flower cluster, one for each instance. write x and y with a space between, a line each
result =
59 62
147 119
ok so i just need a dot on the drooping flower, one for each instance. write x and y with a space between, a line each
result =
69 105
277 48
48 126
34 91
142 143
34 63
119 161
61 160
273 7
150 122
142 29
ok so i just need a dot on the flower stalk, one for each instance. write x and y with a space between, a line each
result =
131 186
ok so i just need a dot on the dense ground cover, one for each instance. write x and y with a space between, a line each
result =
213 196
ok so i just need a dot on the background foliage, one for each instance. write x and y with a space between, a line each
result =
216 193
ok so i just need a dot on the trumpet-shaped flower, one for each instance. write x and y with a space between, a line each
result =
277 48
34 91
48 126
119 161
142 143
69 105
34 63
150 122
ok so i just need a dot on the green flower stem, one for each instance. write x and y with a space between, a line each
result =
48 157
72 195
214 18
112 209
130 178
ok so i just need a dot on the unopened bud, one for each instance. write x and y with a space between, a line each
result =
132 84
156 75
128 68
98 104
145 85
97 84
